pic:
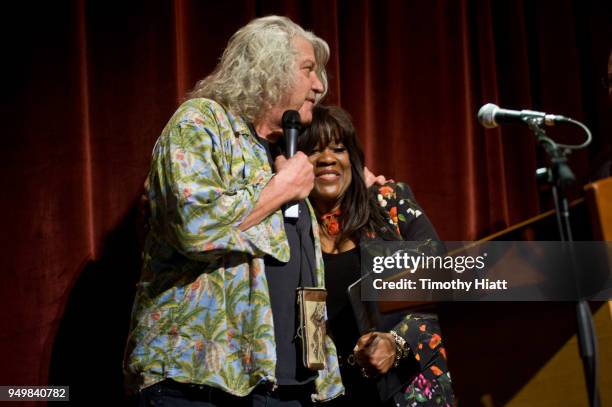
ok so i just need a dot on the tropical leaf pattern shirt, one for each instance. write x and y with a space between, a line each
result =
202 310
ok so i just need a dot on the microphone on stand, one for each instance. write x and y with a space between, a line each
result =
491 116
291 129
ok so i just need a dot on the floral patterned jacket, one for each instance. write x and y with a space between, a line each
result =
202 310
429 383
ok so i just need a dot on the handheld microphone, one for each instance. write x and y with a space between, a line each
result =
490 116
291 129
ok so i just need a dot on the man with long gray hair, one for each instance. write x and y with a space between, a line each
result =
214 319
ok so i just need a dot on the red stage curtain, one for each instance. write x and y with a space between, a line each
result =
91 84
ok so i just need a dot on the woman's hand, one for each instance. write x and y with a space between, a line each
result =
371 179
375 353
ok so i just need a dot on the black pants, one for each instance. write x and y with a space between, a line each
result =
171 393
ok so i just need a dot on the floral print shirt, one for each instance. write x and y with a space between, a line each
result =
202 310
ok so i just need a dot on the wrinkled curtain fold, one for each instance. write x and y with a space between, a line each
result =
91 85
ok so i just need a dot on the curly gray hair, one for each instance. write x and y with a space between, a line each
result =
256 69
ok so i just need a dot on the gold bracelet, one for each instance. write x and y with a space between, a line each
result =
401 348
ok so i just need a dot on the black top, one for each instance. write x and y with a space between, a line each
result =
341 270
283 279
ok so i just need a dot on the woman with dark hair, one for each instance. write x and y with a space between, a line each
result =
407 364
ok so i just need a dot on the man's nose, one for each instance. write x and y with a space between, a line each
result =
317 85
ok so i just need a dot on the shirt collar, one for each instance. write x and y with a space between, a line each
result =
239 125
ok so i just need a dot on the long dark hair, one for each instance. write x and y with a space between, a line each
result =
359 213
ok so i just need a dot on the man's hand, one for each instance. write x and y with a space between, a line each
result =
375 353
293 181
371 179
295 176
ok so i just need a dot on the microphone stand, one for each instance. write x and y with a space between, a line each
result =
559 176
